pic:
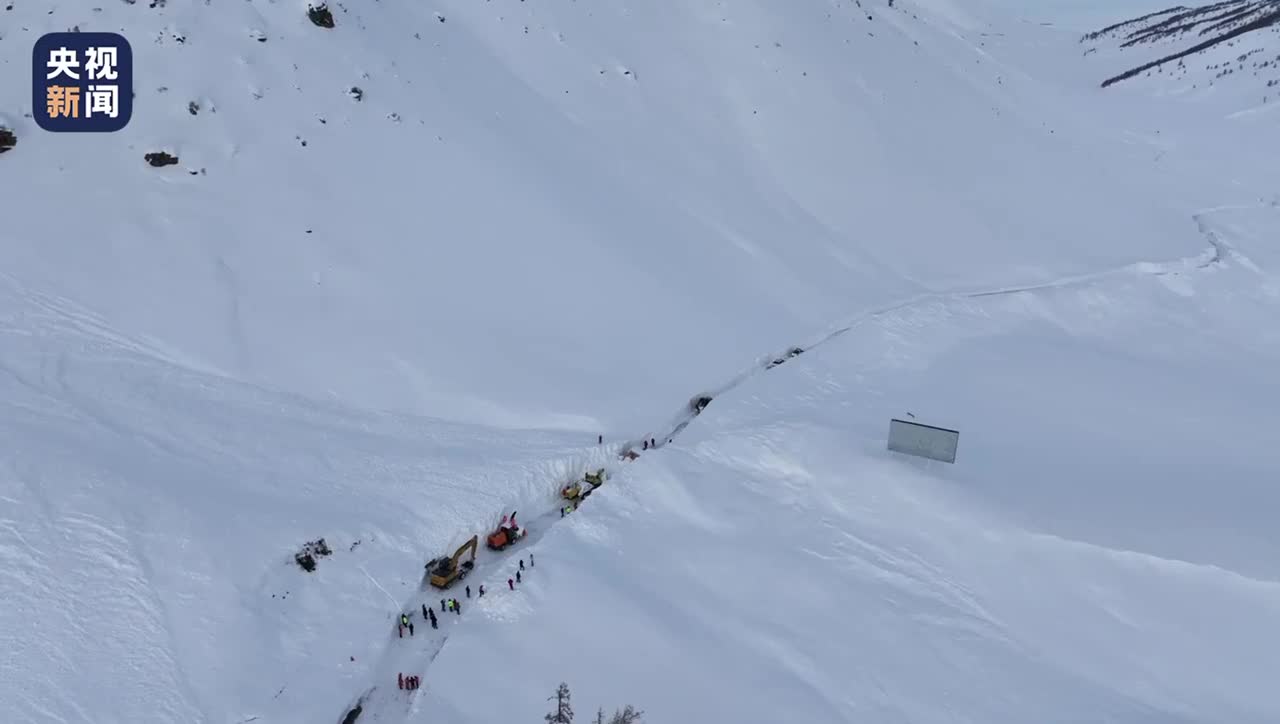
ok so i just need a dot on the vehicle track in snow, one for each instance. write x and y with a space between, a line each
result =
378 702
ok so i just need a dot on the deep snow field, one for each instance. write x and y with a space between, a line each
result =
539 221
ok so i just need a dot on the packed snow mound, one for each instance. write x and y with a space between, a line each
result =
386 213
1236 43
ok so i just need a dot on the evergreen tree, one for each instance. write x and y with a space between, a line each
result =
628 715
563 713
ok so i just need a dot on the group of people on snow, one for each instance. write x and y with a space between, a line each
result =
511 583
411 682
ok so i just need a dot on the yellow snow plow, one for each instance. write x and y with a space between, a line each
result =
576 490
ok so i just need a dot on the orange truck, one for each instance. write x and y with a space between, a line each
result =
505 535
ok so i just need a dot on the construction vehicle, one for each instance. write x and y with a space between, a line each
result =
576 489
445 571
505 535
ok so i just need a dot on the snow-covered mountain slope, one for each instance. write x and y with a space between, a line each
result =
1200 50
150 514
726 174
1083 560
515 225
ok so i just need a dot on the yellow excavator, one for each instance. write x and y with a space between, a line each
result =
575 491
445 571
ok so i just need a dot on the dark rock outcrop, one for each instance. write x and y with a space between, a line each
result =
1208 26
320 15
311 550
160 158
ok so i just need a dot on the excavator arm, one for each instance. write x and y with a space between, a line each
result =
471 544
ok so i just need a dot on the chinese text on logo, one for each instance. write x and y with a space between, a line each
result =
82 82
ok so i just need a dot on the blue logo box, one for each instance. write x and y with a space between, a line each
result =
82 82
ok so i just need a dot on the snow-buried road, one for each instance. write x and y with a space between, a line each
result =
379 702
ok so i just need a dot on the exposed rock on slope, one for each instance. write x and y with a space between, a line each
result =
1181 32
